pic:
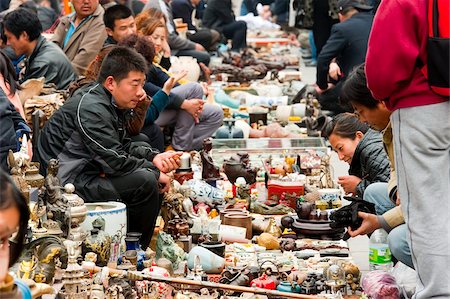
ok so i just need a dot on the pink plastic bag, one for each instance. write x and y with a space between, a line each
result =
380 285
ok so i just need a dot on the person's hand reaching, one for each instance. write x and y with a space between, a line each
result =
167 161
369 224
170 83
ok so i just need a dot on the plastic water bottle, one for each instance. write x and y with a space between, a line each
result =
380 257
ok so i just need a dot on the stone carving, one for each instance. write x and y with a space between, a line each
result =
239 166
209 170
167 248
57 206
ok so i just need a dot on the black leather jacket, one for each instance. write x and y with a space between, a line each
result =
370 162
88 136
49 61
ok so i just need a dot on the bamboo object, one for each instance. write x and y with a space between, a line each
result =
134 275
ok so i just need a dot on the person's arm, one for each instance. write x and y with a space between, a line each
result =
391 219
392 42
159 103
376 164
136 122
178 43
60 32
335 44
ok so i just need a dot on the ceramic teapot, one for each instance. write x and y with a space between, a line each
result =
229 131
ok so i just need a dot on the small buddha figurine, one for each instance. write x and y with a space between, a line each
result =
209 170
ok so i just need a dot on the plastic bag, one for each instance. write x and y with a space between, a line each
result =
380 285
406 278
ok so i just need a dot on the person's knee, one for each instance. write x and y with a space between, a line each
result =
146 183
398 245
242 25
215 114
374 191
196 90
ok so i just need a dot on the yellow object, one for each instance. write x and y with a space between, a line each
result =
268 241
295 118
213 213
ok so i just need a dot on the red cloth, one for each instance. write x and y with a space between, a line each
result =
396 50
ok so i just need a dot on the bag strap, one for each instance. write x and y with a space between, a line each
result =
433 18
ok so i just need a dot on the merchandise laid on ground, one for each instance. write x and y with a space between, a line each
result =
255 214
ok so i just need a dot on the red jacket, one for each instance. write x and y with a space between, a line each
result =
395 54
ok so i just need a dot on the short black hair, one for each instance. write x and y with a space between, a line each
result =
10 196
355 90
116 12
345 125
120 62
23 20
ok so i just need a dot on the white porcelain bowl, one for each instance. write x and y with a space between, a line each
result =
328 194
114 213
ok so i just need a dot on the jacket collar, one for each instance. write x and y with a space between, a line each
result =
78 31
40 43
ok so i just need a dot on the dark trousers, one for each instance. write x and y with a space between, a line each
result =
138 190
154 135
201 56
322 24
237 32
208 38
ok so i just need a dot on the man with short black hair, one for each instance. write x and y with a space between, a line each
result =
88 136
119 23
43 59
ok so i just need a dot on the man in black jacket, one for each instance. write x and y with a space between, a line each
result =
88 136
345 49
208 38
43 59
219 16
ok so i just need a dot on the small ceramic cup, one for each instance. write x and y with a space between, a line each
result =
329 194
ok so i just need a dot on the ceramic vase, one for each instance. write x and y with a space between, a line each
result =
211 263
187 63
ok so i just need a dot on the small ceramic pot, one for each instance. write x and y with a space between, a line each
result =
329 194
286 286
215 247
263 282
211 263
114 213
240 220
231 211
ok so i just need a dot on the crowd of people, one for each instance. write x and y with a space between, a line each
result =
114 59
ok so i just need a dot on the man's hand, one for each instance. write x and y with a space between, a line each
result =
349 183
167 161
164 182
194 107
320 91
369 224
170 83
199 47
334 71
